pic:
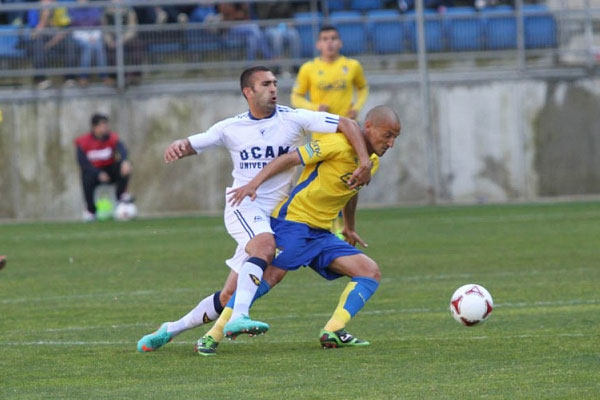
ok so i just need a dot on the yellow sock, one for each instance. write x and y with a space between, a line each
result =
340 316
217 330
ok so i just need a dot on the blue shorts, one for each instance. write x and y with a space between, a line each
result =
300 245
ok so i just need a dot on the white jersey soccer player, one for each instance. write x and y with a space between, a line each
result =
253 139
252 143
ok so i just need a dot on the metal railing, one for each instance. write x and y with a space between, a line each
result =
504 38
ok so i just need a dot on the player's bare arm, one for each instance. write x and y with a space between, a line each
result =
349 231
276 166
362 174
178 149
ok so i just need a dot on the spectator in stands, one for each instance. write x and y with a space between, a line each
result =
145 15
283 33
132 45
249 31
438 5
102 158
50 42
177 14
89 39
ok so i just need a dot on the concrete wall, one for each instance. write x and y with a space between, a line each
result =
493 142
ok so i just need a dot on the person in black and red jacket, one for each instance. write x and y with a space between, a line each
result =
103 159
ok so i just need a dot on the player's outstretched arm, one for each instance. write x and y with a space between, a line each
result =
362 174
178 149
276 166
349 231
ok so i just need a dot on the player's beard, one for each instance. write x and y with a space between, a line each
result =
269 106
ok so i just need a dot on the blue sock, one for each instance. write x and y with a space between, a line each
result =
358 296
262 289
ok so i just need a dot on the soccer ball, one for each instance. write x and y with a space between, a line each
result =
471 304
125 211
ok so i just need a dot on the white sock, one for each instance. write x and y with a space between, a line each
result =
248 280
203 313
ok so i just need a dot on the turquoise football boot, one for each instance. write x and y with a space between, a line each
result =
155 339
243 324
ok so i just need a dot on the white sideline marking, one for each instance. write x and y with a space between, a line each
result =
134 232
241 342
287 285
557 303
96 295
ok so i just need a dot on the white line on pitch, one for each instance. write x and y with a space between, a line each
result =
557 303
277 340
287 285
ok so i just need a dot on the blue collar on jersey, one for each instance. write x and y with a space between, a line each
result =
257 119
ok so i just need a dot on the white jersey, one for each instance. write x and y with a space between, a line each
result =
253 143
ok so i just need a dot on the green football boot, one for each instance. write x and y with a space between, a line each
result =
155 339
206 346
341 338
243 324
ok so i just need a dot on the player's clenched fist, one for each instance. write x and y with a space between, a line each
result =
178 149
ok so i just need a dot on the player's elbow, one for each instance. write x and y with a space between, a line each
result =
346 125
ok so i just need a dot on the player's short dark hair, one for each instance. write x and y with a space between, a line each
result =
246 77
98 118
325 28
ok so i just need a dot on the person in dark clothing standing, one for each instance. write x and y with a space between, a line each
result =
103 159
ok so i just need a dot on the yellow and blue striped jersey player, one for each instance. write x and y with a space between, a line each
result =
332 83
302 224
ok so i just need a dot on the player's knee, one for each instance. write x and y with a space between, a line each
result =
262 246
372 270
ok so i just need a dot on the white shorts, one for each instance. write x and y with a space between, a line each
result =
243 223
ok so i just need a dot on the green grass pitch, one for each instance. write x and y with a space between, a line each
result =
75 298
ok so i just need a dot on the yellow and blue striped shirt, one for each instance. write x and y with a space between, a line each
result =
322 189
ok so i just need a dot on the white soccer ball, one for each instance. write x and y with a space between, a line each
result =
471 304
125 211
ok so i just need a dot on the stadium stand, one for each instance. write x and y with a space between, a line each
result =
540 27
386 31
500 27
352 31
9 43
367 27
304 23
434 32
464 29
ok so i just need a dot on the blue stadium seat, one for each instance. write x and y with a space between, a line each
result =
304 24
434 32
200 13
167 47
386 31
539 26
464 29
9 42
352 31
366 5
500 27
336 5
202 39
